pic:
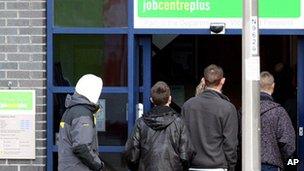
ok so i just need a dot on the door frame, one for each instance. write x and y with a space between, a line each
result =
300 100
145 41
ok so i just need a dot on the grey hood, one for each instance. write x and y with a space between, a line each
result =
77 99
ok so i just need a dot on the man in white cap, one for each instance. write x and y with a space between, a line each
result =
78 146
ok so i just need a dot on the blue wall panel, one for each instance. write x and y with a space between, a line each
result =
300 100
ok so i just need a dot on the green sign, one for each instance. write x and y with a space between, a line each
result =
16 100
216 8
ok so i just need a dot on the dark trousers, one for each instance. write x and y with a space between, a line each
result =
267 167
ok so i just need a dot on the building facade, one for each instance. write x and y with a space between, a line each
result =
47 45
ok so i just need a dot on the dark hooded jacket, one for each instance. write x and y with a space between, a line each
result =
159 142
77 148
277 133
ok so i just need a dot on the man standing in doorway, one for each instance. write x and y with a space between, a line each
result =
277 133
213 125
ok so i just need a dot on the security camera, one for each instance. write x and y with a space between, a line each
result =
217 28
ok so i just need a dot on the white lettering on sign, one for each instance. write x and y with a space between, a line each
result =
254 35
252 68
293 162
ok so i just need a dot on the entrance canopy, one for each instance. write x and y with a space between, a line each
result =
200 14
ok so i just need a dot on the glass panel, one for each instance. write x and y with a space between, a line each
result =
102 55
115 130
55 161
91 13
58 110
111 121
114 161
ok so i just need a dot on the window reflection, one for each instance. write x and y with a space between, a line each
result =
102 55
91 13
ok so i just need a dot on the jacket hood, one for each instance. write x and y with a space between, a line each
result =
89 86
267 103
160 117
77 99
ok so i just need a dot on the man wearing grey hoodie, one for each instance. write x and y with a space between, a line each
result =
78 146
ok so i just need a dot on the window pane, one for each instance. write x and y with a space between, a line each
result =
112 125
102 55
55 161
111 121
91 13
113 161
58 110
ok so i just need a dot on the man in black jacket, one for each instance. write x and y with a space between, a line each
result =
159 141
213 125
78 146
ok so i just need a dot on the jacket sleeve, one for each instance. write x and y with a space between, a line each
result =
230 133
186 149
132 148
82 134
285 135
183 115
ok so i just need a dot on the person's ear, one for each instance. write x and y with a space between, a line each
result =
203 81
170 99
223 81
151 99
272 86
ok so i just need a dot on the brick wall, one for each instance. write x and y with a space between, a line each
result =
23 63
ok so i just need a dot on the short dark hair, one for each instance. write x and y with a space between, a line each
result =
160 93
213 75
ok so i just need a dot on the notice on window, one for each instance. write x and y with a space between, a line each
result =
252 69
101 116
17 124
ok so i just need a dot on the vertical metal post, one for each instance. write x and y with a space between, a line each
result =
250 88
